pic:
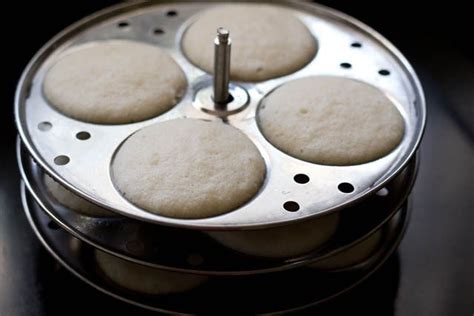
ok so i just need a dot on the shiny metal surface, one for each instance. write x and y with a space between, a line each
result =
222 51
308 285
202 100
379 249
87 171
148 244
434 255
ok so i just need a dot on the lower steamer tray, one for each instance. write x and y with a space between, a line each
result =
195 252
284 291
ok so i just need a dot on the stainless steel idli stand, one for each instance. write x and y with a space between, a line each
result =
79 154
284 291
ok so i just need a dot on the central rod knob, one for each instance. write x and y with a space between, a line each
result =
222 46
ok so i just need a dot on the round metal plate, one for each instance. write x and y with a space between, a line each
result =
284 291
149 244
87 168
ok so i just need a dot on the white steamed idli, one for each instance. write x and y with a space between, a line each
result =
114 82
331 120
267 41
73 202
186 168
281 242
143 279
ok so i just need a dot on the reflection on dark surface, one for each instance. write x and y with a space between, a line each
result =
436 256
382 285
19 249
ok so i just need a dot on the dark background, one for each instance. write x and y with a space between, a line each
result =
433 272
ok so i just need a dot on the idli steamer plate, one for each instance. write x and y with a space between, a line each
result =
194 251
284 291
83 165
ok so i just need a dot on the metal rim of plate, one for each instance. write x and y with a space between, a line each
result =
194 251
77 257
49 135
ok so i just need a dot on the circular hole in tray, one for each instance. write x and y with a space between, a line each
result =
301 178
356 45
45 126
345 65
158 31
53 225
123 24
83 135
61 160
291 206
384 72
172 13
345 187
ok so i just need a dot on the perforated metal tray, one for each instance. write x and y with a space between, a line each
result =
284 291
193 251
48 134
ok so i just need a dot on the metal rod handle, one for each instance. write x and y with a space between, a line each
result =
222 46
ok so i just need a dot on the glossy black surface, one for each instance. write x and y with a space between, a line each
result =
433 271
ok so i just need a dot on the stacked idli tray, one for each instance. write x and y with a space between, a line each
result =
140 184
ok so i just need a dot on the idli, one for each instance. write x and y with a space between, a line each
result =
331 120
143 279
267 41
114 82
73 202
187 168
281 242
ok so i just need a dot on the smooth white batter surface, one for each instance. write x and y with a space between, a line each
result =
331 120
267 41
188 168
114 82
